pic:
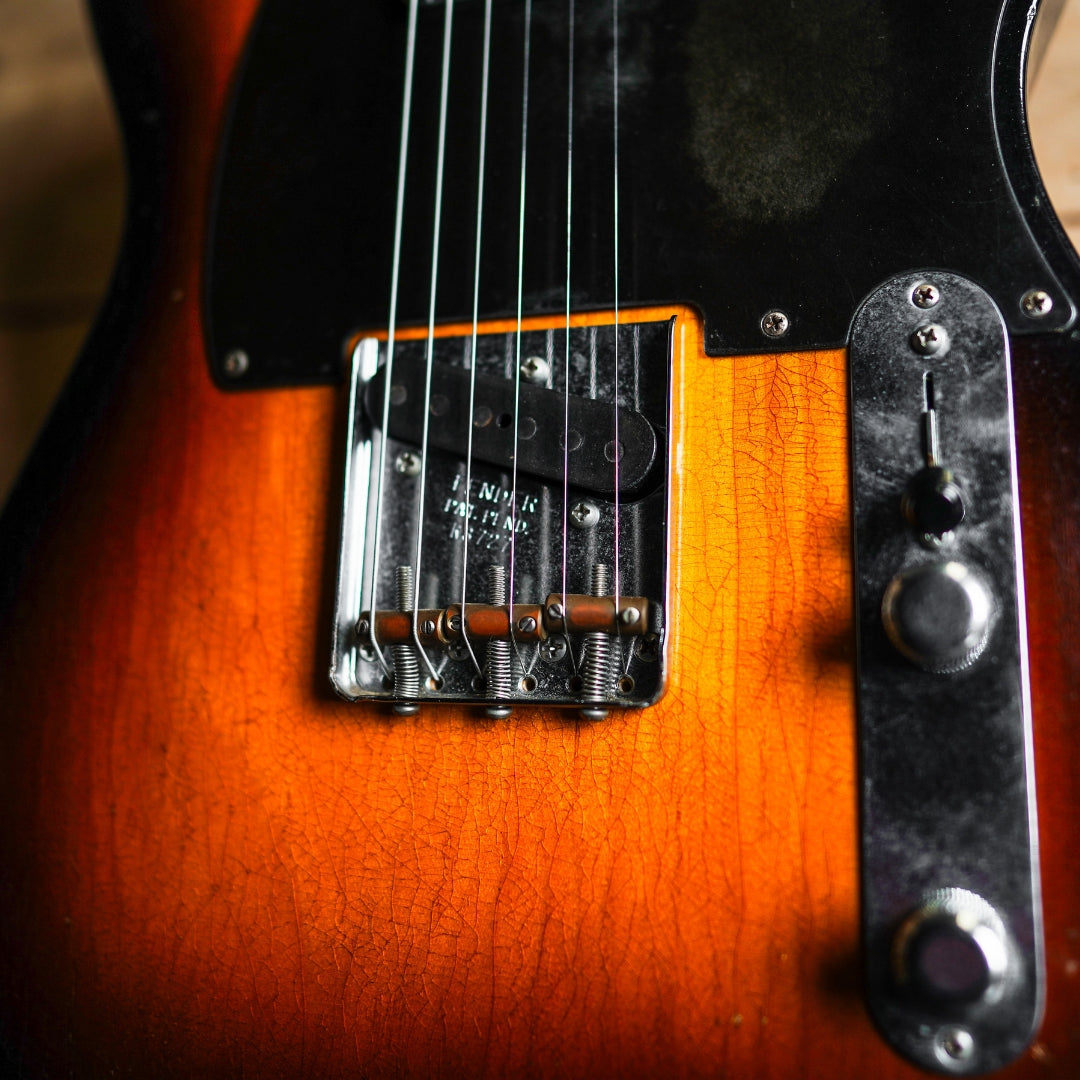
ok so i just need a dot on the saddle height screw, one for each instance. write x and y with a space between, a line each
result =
596 661
775 324
925 295
499 657
527 624
406 665
1037 303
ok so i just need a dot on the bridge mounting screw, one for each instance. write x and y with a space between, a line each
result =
925 295
236 363
527 624
775 324
535 369
929 339
584 514
408 463
1037 303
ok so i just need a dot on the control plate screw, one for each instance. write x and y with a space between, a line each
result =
536 370
925 295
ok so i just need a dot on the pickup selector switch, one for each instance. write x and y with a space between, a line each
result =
952 951
938 615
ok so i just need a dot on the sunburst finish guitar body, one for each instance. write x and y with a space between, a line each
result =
218 861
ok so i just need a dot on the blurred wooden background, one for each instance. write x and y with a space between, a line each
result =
61 193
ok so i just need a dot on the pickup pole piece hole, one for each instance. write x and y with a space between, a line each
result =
482 416
504 420
398 394
609 450
570 440
440 405
526 427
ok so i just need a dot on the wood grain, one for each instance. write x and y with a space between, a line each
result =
216 869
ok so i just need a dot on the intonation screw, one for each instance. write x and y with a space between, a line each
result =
1037 303
408 463
536 370
584 514
928 339
499 656
406 665
925 295
775 324
236 363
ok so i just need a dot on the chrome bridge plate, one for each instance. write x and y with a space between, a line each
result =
568 635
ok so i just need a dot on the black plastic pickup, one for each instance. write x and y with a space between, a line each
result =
551 435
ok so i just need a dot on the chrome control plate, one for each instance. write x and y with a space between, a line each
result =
947 794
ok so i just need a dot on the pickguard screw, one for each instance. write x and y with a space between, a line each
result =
925 295
552 649
535 369
427 627
527 624
775 324
929 339
236 363
1037 303
408 463
584 514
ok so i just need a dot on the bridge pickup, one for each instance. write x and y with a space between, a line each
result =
587 453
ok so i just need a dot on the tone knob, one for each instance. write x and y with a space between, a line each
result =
938 615
952 950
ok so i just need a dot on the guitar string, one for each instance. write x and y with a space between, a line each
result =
440 162
484 75
616 451
517 346
395 274
566 375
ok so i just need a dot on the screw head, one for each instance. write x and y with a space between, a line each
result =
1037 303
954 1044
236 363
929 339
527 624
925 295
457 651
555 612
427 627
584 514
363 628
408 463
629 615
775 324
535 369
454 623
552 649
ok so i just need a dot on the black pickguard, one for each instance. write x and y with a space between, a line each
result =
771 155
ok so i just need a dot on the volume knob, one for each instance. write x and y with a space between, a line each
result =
938 615
952 950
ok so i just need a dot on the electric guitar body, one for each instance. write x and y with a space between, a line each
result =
257 827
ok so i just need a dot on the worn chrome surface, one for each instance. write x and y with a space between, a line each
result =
946 761
540 664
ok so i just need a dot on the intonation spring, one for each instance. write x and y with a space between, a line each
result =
499 650
596 664
406 665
